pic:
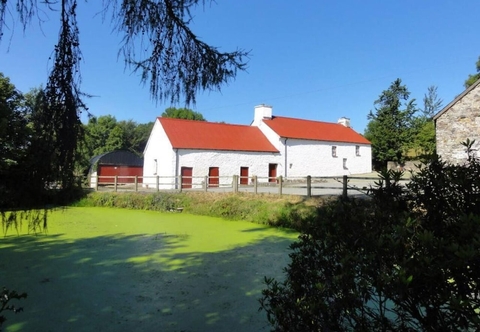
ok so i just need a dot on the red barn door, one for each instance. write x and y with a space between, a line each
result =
187 173
213 174
272 172
243 175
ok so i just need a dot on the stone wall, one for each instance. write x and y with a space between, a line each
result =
457 123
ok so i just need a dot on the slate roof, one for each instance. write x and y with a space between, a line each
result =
202 135
314 130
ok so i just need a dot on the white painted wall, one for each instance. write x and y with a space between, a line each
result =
159 147
276 141
229 163
315 158
93 179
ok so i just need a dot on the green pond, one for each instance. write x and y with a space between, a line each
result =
127 270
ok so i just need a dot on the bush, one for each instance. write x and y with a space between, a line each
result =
408 259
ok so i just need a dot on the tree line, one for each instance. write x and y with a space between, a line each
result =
30 148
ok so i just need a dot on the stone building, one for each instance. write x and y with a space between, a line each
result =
457 122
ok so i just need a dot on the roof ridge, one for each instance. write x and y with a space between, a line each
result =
457 99
316 121
205 122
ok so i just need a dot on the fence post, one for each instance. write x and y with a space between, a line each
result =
179 183
157 183
96 182
205 183
309 186
136 183
255 184
280 185
344 191
116 182
235 183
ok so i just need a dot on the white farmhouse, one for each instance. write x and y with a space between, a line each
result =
315 148
271 146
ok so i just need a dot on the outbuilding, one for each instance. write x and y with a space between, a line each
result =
121 163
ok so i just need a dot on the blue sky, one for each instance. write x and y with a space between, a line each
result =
310 59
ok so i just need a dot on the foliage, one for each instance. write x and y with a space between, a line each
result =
6 296
31 157
182 113
474 77
62 103
432 103
36 220
422 131
408 259
388 129
105 134
157 42
13 133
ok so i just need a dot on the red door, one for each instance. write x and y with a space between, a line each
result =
272 172
187 177
213 173
121 172
244 175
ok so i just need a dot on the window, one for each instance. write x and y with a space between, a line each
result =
357 150
334 151
345 163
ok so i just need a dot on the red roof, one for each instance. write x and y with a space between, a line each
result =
314 130
202 135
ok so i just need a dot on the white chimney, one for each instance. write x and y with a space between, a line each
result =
262 112
344 121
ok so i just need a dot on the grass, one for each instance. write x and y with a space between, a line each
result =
281 211
121 270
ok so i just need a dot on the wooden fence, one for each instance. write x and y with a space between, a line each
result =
304 186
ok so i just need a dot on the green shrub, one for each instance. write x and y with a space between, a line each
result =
408 259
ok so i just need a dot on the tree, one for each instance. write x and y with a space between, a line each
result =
13 133
105 134
135 135
431 102
408 259
474 77
182 113
422 142
389 127
97 134
31 158
177 66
